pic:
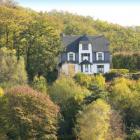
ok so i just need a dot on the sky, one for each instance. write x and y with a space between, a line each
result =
123 12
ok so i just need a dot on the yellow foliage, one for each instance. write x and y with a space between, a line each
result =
93 122
65 88
90 80
1 92
99 80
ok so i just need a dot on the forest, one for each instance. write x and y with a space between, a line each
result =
36 104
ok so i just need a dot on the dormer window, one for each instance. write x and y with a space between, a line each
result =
85 46
99 56
71 56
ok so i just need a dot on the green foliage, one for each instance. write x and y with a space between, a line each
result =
12 71
43 45
99 81
90 81
83 79
65 88
121 38
93 121
69 95
135 135
39 83
129 61
119 71
33 36
125 97
27 114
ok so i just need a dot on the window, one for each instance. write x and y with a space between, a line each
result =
100 56
86 68
71 56
85 47
100 68
85 56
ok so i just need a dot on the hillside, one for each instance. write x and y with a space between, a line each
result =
121 38
37 104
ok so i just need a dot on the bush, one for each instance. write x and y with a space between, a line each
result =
65 88
39 83
126 61
119 71
90 81
114 73
135 135
27 114
83 79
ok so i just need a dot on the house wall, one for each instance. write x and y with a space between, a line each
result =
106 57
106 67
81 51
64 69
64 57
78 57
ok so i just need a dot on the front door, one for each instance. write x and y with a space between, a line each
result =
86 68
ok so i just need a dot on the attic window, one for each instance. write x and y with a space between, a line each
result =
85 47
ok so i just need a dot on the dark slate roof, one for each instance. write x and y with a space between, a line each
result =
99 43
85 62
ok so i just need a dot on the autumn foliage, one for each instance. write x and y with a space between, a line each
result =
27 114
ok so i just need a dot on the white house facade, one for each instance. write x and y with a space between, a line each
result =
87 54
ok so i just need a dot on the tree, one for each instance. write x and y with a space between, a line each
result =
12 71
93 122
125 98
43 46
10 3
68 95
27 114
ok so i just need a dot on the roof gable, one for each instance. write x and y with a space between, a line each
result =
99 43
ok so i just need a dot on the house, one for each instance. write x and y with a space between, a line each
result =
87 54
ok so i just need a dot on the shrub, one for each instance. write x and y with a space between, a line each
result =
98 81
126 61
27 114
65 88
114 73
90 81
40 84
135 135
119 71
83 79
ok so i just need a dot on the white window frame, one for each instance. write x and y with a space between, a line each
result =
100 70
68 56
97 56
85 47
